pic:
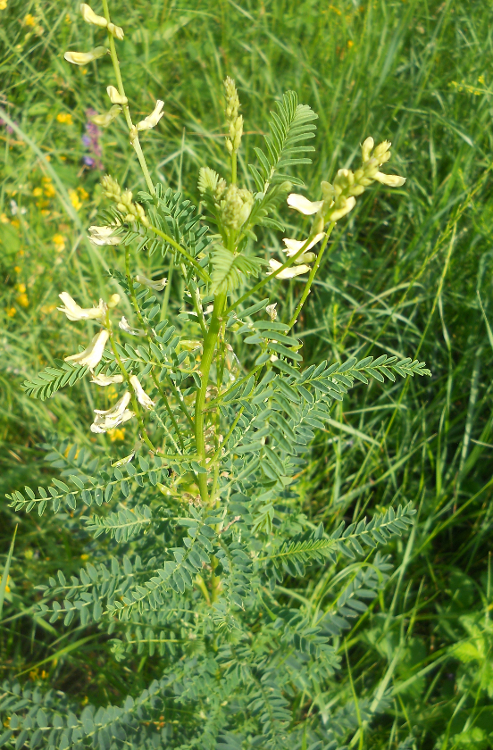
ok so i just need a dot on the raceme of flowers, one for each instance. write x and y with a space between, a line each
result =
339 200
93 354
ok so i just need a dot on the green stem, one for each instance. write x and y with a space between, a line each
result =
167 291
234 162
135 404
311 277
135 304
207 357
126 110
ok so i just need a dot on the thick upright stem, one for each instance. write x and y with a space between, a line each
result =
209 347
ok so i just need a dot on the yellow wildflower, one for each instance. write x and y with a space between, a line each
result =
59 241
49 190
37 192
44 675
21 288
7 587
117 433
17 269
74 199
65 118
4 219
84 557
84 195
23 300
11 311
15 223
29 20
3 4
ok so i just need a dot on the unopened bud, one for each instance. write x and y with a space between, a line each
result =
380 150
366 148
113 300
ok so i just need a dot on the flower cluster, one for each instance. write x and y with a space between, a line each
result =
233 118
133 212
92 356
338 200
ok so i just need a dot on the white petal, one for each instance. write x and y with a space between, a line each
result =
82 58
366 148
73 311
152 120
392 180
104 236
303 205
338 213
105 380
158 285
142 396
123 324
94 352
288 273
118 408
293 246
115 96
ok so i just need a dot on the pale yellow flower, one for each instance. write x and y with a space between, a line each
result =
73 311
152 120
108 420
91 356
104 236
82 58
294 246
158 285
303 205
90 16
105 380
142 396
115 96
288 273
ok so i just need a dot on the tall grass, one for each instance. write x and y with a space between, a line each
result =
417 280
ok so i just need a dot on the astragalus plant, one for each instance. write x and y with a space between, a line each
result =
204 515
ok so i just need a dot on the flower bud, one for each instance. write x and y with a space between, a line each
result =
90 16
83 58
115 96
380 150
113 301
366 148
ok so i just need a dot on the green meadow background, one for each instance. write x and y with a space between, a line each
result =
409 274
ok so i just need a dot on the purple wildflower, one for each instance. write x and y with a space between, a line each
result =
91 140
